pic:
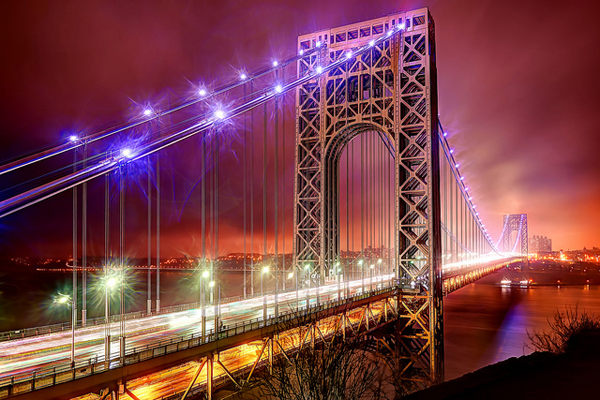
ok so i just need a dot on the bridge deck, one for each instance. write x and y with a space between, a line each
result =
162 341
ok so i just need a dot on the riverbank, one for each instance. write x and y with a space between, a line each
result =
541 375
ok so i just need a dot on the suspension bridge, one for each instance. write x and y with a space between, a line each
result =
381 223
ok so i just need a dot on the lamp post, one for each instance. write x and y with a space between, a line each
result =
65 299
265 270
205 275
211 285
362 273
337 271
379 270
306 268
109 283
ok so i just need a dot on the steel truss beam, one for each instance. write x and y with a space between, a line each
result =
391 89
515 223
290 340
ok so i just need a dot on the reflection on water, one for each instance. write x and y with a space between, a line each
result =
485 323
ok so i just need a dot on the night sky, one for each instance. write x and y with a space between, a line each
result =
519 83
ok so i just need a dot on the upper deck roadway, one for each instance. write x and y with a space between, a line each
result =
27 359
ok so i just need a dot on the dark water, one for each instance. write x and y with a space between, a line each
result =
484 323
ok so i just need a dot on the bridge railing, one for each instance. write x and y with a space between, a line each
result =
30 381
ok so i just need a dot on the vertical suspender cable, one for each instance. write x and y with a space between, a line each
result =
148 272
252 199
75 240
276 201
283 192
106 263
122 260
84 242
157 233
264 212
244 178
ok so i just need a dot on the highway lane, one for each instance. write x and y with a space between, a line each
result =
53 350
176 379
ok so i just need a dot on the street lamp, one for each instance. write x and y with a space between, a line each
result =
362 273
205 275
211 285
65 299
109 283
337 271
306 268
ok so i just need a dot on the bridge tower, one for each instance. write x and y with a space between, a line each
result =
516 223
392 90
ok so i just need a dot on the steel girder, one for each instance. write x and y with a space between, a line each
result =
391 89
515 223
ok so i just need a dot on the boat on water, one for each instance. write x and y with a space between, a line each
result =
516 282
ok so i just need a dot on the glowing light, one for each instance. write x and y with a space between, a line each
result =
243 76
126 153
360 262
371 43
73 138
265 269
372 265
318 44
390 33
63 299
111 282
319 69
211 283
445 134
279 88
202 92
456 165
307 266
301 52
451 151
462 178
470 198
147 112
219 114
349 54
401 27
379 261
275 63
205 274
290 275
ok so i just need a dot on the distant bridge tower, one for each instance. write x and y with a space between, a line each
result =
391 89
517 224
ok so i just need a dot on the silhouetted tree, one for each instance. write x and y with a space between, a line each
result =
564 326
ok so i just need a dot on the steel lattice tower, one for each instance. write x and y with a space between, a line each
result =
515 223
392 90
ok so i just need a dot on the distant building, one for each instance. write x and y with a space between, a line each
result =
540 244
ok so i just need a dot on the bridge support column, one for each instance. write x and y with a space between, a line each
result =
107 350
209 376
270 350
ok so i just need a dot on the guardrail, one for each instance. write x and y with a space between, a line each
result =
39 379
